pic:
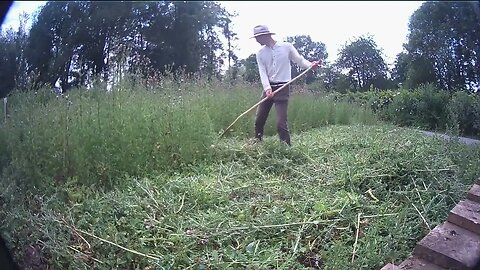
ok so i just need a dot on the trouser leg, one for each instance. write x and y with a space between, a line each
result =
261 117
281 107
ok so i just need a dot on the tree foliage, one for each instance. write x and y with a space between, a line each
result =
77 41
444 37
250 69
364 63
311 50
333 80
12 59
7 64
399 71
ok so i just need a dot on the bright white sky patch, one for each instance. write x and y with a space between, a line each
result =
12 20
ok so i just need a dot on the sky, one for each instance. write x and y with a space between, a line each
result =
335 23
12 19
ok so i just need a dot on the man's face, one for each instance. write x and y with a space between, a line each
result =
262 39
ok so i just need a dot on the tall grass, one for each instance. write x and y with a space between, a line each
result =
96 137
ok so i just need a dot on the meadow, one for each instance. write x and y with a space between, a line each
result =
139 178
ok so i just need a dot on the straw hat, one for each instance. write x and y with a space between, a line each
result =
261 30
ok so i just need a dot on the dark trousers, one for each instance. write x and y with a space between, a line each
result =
281 107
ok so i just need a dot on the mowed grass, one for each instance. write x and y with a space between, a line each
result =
265 206
202 202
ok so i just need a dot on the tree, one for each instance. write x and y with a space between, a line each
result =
186 36
7 64
231 37
73 41
399 71
309 49
412 71
445 36
41 43
79 40
250 69
216 21
13 65
364 63
234 72
419 71
333 80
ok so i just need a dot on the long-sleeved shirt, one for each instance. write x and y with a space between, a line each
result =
274 63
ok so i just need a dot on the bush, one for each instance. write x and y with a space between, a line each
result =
424 107
375 100
464 114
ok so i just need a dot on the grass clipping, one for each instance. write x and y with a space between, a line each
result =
343 197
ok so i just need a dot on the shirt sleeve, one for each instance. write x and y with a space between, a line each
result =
297 58
263 73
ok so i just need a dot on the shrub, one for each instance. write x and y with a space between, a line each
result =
424 107
464 114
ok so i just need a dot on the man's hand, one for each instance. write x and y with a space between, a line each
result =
269 93
315 64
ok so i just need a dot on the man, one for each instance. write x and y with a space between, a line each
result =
274 66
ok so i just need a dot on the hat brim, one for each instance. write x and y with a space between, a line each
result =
261 34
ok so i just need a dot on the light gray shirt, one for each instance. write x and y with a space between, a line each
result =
274 63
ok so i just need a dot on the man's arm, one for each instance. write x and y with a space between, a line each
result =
262 70
297 58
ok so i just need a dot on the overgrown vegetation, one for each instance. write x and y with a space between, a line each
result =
145 169
95 137
425 107
138 178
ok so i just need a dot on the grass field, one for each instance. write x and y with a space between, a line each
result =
146 171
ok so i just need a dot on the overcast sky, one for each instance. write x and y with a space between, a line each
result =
333 23
12 18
